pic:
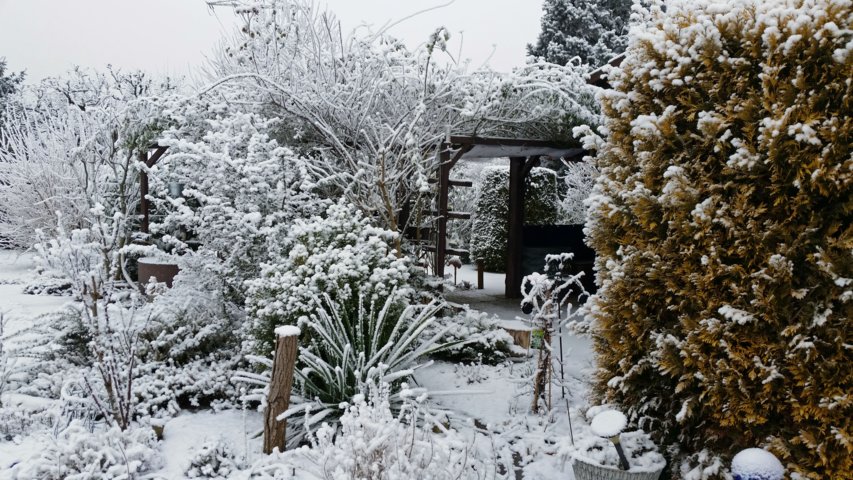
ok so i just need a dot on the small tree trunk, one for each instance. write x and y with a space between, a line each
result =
281 382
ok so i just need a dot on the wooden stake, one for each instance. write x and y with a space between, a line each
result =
281 382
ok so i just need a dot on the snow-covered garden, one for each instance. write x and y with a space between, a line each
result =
228 277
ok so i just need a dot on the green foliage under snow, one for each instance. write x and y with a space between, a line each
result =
723 228
491 220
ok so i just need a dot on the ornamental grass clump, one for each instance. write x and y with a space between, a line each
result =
350 346
723 228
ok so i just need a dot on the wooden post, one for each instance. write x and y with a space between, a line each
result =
519 167
143 192
143 183
481 266
281 382
443 192
512 286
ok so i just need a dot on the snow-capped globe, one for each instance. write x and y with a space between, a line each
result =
757 464
609 423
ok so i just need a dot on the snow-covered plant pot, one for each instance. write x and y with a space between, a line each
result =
757 464
164 270
596 458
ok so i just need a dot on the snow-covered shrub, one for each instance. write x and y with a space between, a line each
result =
380 441
15 421
77 452
93 260
721 224
491 217
73 146
193 318
164 389
474 336
377 441
579 178
190 348
239 188
350 346
214 460
338 254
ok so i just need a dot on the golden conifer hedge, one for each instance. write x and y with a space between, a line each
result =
723 225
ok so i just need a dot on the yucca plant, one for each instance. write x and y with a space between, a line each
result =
353 345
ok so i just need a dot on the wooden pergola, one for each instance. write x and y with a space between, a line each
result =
148 158
523 155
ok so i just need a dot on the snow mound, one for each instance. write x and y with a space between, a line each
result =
757 464
609 423
287 331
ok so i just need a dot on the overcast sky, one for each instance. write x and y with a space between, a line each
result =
47 37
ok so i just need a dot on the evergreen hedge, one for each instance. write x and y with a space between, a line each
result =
723 228
491 217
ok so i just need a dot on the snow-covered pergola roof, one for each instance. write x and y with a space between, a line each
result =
598 77
493 147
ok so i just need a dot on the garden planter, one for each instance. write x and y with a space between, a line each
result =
591 471
164 270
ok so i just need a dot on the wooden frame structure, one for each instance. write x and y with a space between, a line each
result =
524 155
148 159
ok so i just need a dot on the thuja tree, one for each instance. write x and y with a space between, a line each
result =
491 220
723 227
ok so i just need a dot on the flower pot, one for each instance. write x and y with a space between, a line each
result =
161 270
591 471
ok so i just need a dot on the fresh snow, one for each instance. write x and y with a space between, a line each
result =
757 464
609 423
287 331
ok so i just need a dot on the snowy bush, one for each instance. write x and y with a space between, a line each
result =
339 254
721 225
474 336
189 350
5 358
213 460
74 146
77 452
579 178
93 260
378 441
491 217
239 189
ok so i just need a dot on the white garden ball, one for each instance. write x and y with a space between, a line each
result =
757 464
609 423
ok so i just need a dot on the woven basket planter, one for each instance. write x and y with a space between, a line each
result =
589 471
